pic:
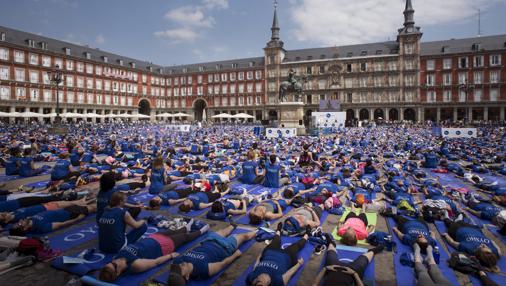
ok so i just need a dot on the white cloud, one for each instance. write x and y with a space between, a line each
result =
216 4
341 22
178 35
100 39
192 16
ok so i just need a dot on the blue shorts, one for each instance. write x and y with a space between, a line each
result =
229 244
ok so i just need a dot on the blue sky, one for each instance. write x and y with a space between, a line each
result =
171 32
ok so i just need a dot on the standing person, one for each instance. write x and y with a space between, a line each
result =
275 266
112 226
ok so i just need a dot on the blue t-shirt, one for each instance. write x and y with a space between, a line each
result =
272 175
403 197
25 167
60 170
43 222
411 229
488 211
201 256
470 238
9 206
198 198
146 248
331 187
103 200
11 166
157 181
27 212
111 230
249 172
87 157
273 263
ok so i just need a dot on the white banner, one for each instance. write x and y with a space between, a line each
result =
280 132
329 119
180 128
459 132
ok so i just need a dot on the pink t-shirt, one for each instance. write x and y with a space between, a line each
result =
358 225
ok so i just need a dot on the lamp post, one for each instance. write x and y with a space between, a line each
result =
56 77
467 88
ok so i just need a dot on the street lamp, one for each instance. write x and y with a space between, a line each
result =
467 88
56 77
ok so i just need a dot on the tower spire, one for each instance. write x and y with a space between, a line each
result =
409 15
275 24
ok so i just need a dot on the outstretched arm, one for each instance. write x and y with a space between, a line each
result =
216 267
141 265
288 275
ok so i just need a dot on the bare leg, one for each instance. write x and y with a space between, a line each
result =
243 237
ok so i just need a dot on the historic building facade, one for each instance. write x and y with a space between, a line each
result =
404 79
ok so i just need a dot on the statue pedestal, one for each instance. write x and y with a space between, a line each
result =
291 115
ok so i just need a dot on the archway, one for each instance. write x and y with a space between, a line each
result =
410 114
144 107
199 107
393 114
378 113
364 114
273 115
350 114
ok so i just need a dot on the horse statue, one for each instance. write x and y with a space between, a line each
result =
291 85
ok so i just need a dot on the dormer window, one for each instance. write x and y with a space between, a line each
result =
171 71
132 65
476 47
30 43
297 58
87 55
120 62
67 51
379 52
309 58
349 55
43 45
150 68
201 68
160 71
445 49
2 37
322 57
218 67
363 53
251 64
185 70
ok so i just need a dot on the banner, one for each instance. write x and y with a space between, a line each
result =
330 105
180 128
329 119
459 132
280 132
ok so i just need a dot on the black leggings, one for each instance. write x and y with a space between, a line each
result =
32 201
292 250
181 236
136 185
361 216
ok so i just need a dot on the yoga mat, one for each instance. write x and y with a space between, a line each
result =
38 185
244 219
348 254
441 227
405 275
162 278
372 219
495 231
5 178
305 253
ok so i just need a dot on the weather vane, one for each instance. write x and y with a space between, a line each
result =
275 4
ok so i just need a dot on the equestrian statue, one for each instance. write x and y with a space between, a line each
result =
291 85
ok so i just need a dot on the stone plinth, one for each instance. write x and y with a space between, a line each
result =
292 116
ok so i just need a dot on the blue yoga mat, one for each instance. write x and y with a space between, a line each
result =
348 254
495 231
305 253
405 275
38 185
77 236
162 278
5 178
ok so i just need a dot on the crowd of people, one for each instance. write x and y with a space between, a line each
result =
96 169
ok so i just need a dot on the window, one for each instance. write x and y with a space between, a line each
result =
349 67
478 61
447 95
408 65
58 62
99 99
80 67
494 77
89 98
392 66
477 95
70 97
494 94
98 84
45 78
392 80
309 70
19 56
431 96
349 97
232 76
20 93
447 64
447 79
430 80
19 74
107 85
80 82
409 49
89 68
478 77
431 65
34 94
69 65
2 36
210 78
241 76
258 87
462 78
34 59
462 96
258 100
89 83
34 76
190 80
47 96
495 60
232 88
378 66
409 80
241 88
217 77
250 87
115 100
258 75
4 73
249 75
241 101
5 93
363 82
200 90
363 67
4 54
463 64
